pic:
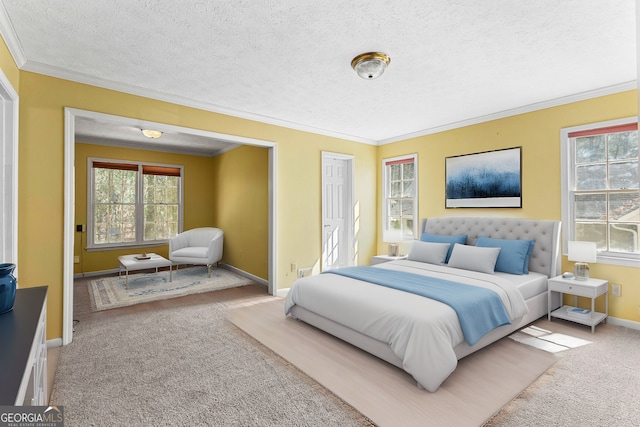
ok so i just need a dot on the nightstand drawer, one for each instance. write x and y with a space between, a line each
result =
589 288
565 287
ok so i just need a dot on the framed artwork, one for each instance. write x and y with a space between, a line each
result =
491 179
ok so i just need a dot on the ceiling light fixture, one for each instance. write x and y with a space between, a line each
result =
154 134
370 65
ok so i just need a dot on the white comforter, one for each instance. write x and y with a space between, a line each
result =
420 331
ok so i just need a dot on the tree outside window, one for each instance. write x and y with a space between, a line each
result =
133 204
400 198
606 194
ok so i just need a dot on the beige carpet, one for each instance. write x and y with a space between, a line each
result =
110 292
481 385
593 385
179 362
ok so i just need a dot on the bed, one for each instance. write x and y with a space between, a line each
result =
424 335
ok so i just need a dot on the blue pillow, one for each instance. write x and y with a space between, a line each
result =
525 270
439 238
514 254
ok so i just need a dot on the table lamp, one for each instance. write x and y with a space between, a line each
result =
582 253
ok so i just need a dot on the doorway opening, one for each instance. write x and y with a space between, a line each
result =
71 115
9 172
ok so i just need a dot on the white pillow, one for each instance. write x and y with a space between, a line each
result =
474 258
432 253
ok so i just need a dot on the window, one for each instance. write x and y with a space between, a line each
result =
601 196
400 198
132 204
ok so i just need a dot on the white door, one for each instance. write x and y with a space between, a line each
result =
337 205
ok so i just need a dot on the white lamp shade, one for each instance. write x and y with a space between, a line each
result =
582 251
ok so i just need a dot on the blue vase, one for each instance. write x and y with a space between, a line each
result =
7 287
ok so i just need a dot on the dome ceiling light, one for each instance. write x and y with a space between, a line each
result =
370 65
153 134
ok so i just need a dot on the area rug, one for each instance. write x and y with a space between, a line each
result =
480 386
110 292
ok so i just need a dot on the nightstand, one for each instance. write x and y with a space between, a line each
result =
379 259
590 288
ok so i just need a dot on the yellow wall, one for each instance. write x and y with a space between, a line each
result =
41 176
8 66
198 179
538 133
41 168
241 201
299 211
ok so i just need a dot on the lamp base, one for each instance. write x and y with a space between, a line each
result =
581 271
393 249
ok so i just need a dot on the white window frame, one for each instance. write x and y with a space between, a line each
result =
389 236
567 156
140 242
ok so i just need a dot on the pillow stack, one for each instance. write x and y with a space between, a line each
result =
487 256
514 254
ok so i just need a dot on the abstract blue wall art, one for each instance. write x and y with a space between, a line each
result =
491 179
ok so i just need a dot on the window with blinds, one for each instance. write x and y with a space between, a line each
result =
603 195
133 203
400 198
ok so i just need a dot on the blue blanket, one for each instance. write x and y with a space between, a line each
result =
479 310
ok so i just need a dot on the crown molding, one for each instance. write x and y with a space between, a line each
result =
8 33
157 148
51 71
609 90
39 68
10 38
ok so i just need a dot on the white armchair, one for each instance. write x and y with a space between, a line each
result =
202 246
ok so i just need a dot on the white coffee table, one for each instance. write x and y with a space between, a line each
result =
138 262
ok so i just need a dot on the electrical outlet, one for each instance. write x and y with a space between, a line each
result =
294 267
304 272
616 290
76 259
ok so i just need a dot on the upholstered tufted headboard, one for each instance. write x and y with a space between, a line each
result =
546 257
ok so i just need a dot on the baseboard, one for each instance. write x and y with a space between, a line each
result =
96 273
631 324
283 292
56 342
245 274
227 266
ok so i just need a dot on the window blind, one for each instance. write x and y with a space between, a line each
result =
611 129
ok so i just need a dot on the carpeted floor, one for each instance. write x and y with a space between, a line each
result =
110 291
594 385
180 362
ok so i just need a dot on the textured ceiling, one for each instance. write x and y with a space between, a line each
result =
288 62
103 129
